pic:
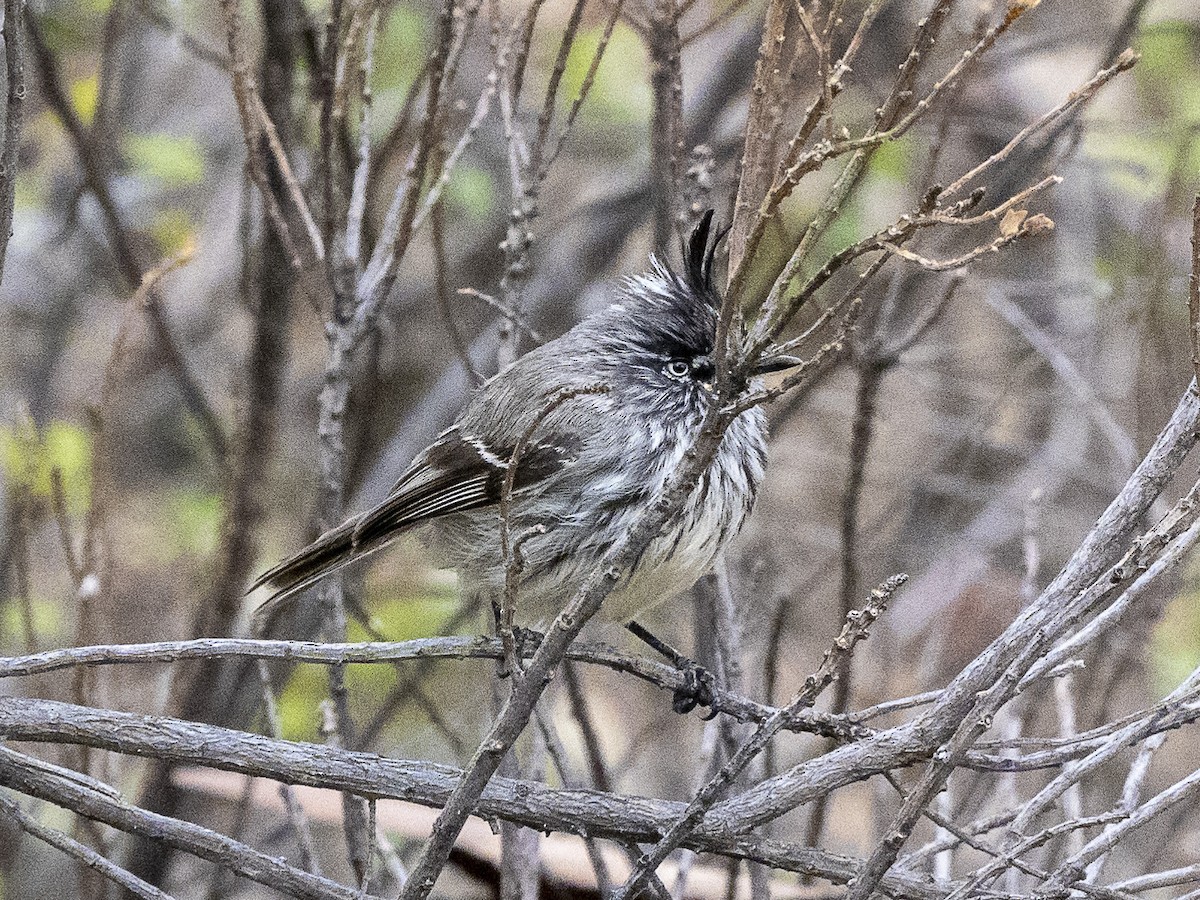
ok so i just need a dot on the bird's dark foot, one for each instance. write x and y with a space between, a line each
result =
697 689
524 643
698 683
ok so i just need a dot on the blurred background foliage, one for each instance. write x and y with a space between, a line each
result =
970 423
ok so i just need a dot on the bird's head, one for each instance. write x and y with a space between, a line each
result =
664 330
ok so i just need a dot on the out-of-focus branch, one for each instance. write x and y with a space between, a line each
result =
128 262
260 136
666 126
204 692
189 42
14 62
585 88
1117 437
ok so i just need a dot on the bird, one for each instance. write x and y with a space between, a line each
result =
594 422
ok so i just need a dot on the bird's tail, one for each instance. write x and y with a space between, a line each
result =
333 550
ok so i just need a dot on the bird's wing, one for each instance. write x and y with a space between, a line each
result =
457 473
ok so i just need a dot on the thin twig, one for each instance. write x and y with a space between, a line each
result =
856 629
83 853
252 118
538 149
370 295
20 773
1081 95
437 229
585 88
510 554
1070 871
446 169
511 315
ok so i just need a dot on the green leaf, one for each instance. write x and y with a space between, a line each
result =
470 189
28 456
620 93
172 229
85 95
1175 641
1169 70
194 522
173 160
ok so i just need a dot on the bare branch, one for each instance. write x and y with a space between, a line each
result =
127 259
23 774
1078 97
528 803
81 852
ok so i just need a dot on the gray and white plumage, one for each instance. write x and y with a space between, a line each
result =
589 465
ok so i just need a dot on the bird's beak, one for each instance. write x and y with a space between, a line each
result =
777 362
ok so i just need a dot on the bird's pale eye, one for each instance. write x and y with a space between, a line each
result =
677 369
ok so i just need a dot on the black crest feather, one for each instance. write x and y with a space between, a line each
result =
699 253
